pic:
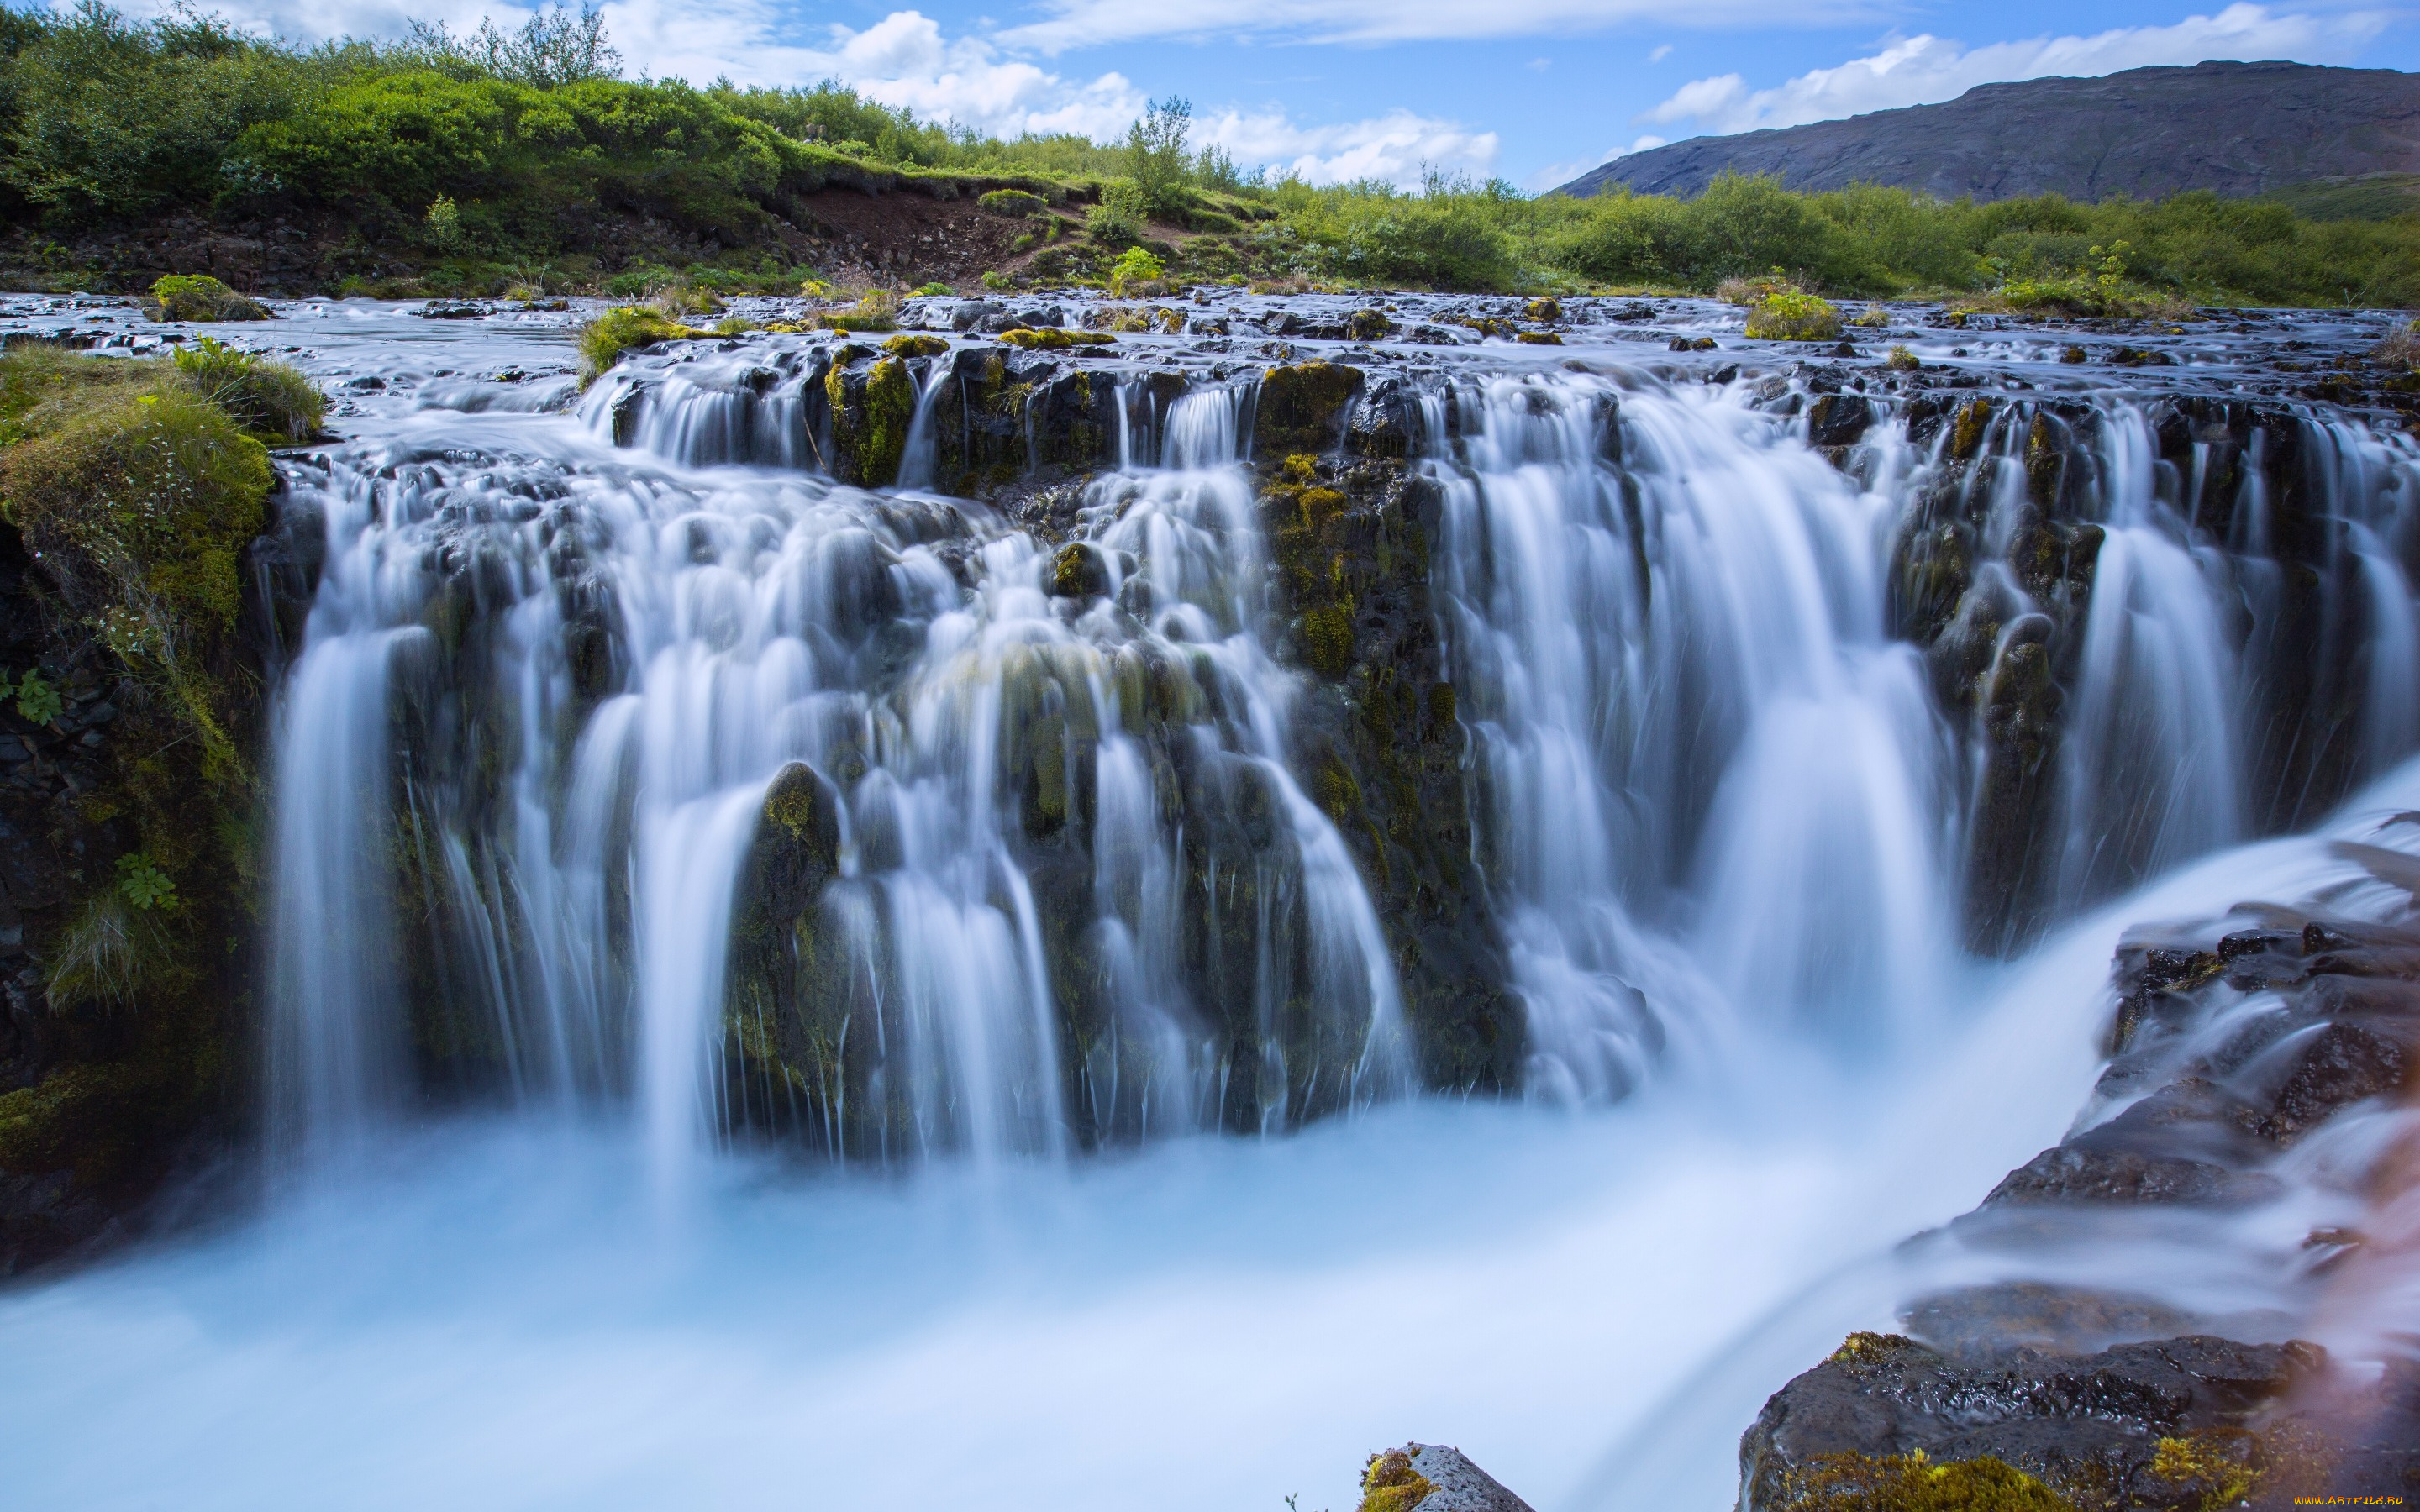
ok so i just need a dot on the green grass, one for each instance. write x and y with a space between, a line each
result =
489 167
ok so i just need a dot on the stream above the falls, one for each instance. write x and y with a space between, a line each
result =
784 989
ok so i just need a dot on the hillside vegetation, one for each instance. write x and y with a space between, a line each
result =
482 164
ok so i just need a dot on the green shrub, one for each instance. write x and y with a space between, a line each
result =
1788 314
200 296
1015 202
1135 265
272 400
1120 218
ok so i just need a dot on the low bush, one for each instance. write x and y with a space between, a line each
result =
1789 315
1134 268
1015 202
1119 220
200 296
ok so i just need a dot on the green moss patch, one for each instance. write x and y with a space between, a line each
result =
1390 1484
624 329
200 296
1912 1483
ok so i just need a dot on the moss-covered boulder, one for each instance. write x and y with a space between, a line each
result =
1378 739
871 410
1432 1478
1303 407
199 297
128 727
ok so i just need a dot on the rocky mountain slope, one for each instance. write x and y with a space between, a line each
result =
2234 127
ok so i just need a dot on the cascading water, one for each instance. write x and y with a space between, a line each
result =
636 658
637 778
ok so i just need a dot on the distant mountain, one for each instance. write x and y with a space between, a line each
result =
2240 129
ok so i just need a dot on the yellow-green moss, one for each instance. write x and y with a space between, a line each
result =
1301 409
872 434
1966 433
1538 338
1390 1484
1912 1483
1544 310
1327 638
1054 338
2220 1465
149 498
625 329
200 296
915 346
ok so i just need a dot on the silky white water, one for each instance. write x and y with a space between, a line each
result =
556 663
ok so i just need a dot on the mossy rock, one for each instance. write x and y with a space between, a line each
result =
1078 572
1303 408
1538 338
1053 338
625 329
1369 325
201 298
1544 310
1390 1484
915 346
871 414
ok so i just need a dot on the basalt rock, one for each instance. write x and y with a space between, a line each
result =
2136 1426
1379 735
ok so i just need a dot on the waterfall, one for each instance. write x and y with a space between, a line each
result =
621 661
1055 878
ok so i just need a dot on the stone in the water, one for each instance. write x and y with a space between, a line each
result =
1432 1478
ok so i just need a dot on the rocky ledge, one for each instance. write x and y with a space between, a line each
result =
2257 1103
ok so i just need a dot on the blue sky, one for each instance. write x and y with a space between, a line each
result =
1535 90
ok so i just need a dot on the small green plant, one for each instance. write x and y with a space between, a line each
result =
1014 202
442 224
933 290
37 702
994 279
875 310
1902 361
733 326
274 400
1788 314
1135 265
200 296
142 882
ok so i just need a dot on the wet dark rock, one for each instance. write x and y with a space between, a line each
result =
1838 420
1303 407
2090 1427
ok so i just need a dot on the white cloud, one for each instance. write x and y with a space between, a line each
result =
1395 146
1660 54
1073 23
1925 70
